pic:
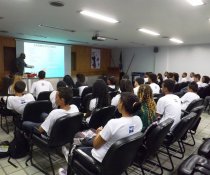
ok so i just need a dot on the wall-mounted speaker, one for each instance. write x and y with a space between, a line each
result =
156 49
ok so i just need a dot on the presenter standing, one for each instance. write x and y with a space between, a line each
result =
20 63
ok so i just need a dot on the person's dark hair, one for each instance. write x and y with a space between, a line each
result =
153 77
169 84
65 93
160 77
192 74
205 79
80 80
130 102
139 80
198 76
100 92
193 86
61 84
126 85
125 76
112 80
170 75
20 86
176 77
69 81
41 74
22 55
185 74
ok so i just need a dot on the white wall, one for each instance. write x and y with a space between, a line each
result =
194 58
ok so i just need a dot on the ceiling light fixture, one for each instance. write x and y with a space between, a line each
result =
57 28
98 16
149 32
175 40
195 2
56 3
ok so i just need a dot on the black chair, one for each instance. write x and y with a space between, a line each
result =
45 95
194 165
86 102
112 94
175 135
100 117
119 156
204 149
86 91
76 100
192 130
154 136
32 112
192 105
62 132
75 92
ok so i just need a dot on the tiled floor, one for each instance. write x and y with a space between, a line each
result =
41 159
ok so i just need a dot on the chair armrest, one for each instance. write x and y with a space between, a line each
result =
201 170
204 165
185 112
87 161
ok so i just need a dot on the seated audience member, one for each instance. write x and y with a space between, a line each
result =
205 81
146 77
80 83
111 82
160 79
69 81
153 80
11 89
191 95
125 86
41 85
176 77
184 77
100 95
63 99
147 111
53 93
170 76
165 75
192 76
138 81
169 106
115 129
197 78
19 101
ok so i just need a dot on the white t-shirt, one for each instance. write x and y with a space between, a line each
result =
199 84
115 100
40 86
52 99
183 80
155 88
135 90
187 98
146 80
203 85
54 115
114 130
18 103
170 107
111 86
92 104
81 88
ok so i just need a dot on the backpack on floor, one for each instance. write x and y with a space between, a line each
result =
19 146
4 149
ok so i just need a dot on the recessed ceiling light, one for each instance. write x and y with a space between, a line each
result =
4 31
56 3
175 40
148 32
195 2
98 16
57 28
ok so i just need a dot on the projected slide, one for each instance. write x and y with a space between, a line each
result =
49 58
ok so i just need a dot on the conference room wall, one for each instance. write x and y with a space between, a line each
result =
171 58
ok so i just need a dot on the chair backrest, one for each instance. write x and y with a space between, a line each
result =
76 101
86 102
34 109
121 154
64 129
180 129
101 116
45 95
154 136
198 110
194 104
112 93
75 92
86 91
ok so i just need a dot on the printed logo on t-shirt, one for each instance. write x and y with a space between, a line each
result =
131 129
42 84
22 101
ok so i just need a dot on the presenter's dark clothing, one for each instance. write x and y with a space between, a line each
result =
20 63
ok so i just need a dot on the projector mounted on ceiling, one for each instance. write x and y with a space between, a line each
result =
97 37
